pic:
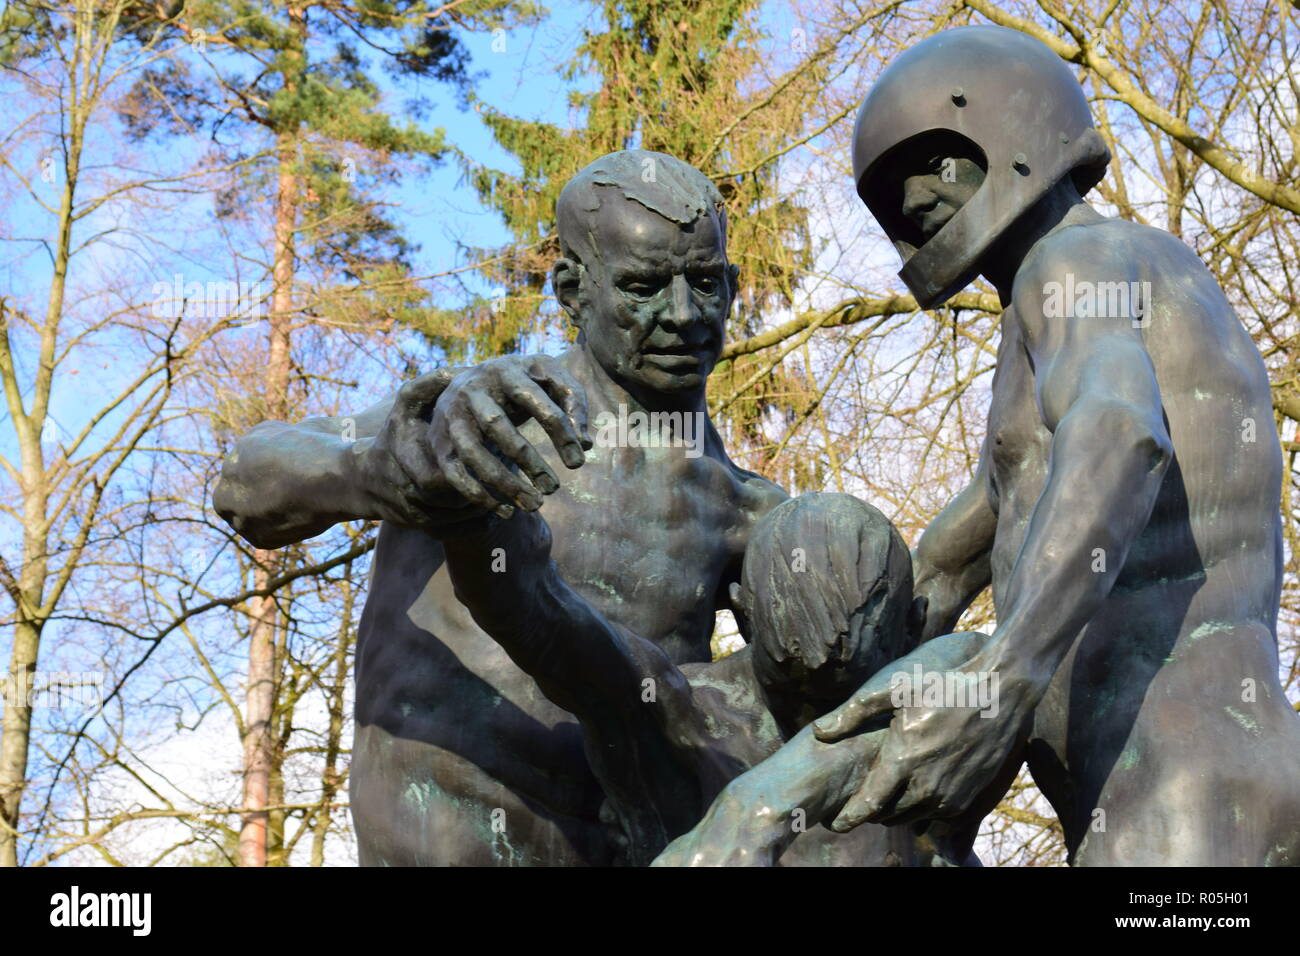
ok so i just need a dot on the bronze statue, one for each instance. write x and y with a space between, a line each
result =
459 758
533 675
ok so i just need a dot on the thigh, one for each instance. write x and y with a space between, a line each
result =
1200 767
414 804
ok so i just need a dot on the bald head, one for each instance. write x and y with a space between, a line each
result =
644 274
666 186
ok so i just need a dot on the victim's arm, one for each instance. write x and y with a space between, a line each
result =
751 821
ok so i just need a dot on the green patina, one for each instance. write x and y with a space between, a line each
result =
1247 723
1130 758
1207 628
422 794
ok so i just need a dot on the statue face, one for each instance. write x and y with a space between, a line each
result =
938 175
655 300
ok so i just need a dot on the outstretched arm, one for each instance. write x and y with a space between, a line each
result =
283 483
753 820
425 457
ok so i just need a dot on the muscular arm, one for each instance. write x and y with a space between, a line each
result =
432 456
1097 392
751 822
506 579
1098 395
285 483
951 562
647 741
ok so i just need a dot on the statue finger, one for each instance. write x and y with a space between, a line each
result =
490 473
874 800
421 393
853 714
468 487
497 427
562 387
529 397
414 455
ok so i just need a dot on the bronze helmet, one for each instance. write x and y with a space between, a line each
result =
1010 96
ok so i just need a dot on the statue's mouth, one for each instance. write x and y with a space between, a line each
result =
673 362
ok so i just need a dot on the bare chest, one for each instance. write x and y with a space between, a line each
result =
649 537
1017 447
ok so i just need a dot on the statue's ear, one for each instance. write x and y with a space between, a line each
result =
739 608
566 276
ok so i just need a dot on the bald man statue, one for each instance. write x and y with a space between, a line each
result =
459 758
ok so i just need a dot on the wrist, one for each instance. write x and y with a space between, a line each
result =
1020 682
359 466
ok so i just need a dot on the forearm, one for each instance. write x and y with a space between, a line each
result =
1097 500
819 778
952 560
505 577
286 483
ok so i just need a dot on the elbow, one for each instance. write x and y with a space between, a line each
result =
1157 450
1146 440
230 500
1118 427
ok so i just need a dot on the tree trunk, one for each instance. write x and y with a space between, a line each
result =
259 741
29 590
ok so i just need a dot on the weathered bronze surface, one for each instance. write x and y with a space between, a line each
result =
533 675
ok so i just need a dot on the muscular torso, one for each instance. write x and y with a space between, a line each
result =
449 730
1219 501
1200 587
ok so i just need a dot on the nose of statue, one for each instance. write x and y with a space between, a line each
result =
918 197
683 312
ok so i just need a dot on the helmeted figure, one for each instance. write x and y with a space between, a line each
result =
1009 96
1125 511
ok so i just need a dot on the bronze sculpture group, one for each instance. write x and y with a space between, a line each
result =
534 683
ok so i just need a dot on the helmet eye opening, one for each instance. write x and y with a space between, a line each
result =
932 153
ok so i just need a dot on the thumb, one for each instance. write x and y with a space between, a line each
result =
850 716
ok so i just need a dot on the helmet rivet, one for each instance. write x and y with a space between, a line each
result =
1020 160
958 96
